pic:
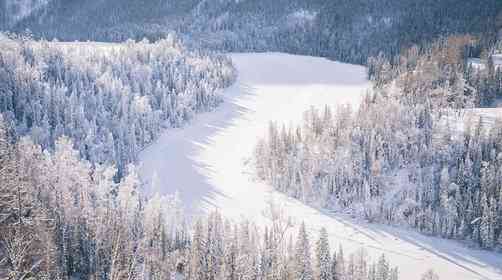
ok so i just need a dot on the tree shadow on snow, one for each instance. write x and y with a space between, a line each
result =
379 236
174 160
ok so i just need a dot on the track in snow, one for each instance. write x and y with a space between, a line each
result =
206 163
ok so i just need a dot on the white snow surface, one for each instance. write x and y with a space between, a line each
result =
207 163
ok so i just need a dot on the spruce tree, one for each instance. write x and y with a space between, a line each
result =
303 267
323 256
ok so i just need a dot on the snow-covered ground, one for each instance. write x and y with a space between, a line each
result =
207 162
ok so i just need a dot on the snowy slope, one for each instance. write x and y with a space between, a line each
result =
207 162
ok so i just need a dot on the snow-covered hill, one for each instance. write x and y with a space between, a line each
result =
208 163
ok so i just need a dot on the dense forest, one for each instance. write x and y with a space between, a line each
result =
413 153
111 100
346 30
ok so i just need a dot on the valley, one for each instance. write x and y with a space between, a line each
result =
208 164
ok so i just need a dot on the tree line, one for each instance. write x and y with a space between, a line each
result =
345 30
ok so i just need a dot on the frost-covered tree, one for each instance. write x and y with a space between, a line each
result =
303 268
323 257
111 101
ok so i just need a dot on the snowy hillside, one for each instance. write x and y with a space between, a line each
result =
208 163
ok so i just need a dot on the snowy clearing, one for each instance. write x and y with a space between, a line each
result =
207 163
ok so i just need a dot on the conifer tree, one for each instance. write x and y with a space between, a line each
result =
303 266
323 257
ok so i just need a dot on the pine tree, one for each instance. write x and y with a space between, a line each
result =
303 267
383 270
323 257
